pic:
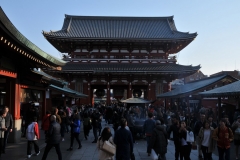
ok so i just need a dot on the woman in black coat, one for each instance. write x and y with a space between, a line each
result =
159 141
186 147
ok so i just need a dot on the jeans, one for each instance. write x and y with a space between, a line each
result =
48 148
75 135
206 154
222 151
6 134
29 147
95 130
148 141
177 149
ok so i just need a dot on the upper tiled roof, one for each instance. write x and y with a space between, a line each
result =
21 39
100 27
192 87
128 67
227 90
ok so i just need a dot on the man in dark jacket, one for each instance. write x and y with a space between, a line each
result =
175 129
148 128
9 126
54 138
159 141
96 124
124 142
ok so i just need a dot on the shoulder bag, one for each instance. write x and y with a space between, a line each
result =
109 148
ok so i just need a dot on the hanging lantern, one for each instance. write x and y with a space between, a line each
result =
137 93
100 93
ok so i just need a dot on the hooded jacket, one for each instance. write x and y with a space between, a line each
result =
159 140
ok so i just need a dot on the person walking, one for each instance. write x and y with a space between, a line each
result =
124 142
33 135
75 130
95 124
2 128
46 122
159 141
9 126
63 124
148 128
206 141
223 135
186 147
106 135
174 129
86 125
236 131
197 126
54 138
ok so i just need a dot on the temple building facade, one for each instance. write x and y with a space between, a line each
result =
111 57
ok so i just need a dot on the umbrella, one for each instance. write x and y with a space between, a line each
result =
135 100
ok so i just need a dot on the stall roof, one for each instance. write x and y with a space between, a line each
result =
135 100
232 89
68 91
193 87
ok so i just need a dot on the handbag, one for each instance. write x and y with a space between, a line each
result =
109 148
194 146
154 155
190 137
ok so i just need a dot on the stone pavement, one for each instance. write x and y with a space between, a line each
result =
87 152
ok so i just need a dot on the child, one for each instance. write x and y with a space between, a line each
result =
32 137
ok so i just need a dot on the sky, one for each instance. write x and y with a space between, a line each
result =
217 22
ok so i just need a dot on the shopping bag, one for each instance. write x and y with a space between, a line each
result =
109 148
154 155
190 137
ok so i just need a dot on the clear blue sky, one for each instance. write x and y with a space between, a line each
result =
217 22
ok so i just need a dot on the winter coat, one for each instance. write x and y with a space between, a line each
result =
76 125
159 140
102 155
183 134
124 144
148 127
212 142
174 128
223 138
54 133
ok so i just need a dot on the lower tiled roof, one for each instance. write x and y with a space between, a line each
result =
127 67
68 91
227 90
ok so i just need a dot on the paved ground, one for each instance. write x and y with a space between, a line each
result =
87 152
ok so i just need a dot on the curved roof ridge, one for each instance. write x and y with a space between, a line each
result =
27 43
118 17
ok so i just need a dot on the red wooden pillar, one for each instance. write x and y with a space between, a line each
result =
129 90
89 92
16 99
108 93
44 109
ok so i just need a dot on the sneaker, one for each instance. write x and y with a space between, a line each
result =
79 147
29 156
37 153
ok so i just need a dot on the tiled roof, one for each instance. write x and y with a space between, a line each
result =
192 87
68 91
100 27
12 30
127 67
227 90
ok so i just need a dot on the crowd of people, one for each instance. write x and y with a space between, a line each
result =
159 127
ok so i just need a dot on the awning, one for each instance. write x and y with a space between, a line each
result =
232 89
135 100
68 91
